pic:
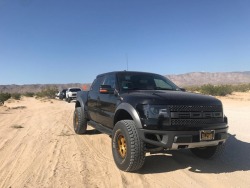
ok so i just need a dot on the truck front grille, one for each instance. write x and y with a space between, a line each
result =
195 115
186 108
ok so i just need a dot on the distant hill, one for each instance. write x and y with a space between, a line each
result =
188 79
218 78
37 87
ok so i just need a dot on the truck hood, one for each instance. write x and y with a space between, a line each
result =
168 98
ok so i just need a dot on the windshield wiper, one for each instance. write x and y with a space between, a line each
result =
160 88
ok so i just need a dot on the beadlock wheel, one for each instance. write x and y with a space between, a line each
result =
127 147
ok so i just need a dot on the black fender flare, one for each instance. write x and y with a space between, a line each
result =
82 97
133 113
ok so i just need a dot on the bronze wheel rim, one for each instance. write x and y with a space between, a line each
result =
122 146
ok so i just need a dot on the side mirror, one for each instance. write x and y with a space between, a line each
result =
106 89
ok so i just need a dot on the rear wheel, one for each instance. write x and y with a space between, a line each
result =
127 147
79 121
208 152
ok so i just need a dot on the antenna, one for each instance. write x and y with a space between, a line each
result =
127 61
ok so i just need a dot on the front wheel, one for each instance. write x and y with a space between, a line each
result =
127 147
208 152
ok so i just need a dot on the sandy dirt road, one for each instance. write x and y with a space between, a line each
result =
38 148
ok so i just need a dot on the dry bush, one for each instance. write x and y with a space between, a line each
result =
48 92
18 107
29 94
219 90
17 127
16 96
4 97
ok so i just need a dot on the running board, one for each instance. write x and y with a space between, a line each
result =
100 127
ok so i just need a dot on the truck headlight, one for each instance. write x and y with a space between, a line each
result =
156 111
156 116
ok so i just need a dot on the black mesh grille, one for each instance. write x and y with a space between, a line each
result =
195 121
182 108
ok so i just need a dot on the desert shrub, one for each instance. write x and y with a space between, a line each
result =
16 96
241 87
220 90
207 89
29 94
48 92
4 97
192 88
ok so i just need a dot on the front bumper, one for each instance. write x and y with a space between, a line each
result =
181 139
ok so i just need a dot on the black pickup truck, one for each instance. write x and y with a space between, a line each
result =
146 112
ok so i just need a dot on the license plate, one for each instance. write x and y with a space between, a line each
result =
206 135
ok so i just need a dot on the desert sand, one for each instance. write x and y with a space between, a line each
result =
38 148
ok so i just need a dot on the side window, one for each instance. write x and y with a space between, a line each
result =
96 84
109 80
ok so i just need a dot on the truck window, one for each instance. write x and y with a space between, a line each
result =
96 84
144 81
162 84
110 80
75 89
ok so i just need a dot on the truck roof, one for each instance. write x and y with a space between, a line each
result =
116 72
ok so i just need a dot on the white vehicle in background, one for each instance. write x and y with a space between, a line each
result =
71 94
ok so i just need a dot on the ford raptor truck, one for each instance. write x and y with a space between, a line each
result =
146 112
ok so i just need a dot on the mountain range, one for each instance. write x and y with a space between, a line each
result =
217 78
183 80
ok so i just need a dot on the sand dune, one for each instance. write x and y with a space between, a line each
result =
38 148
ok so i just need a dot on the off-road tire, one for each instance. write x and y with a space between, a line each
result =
208 152
79 121
69 100
133 156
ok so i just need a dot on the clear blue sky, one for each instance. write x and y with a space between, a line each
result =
63 41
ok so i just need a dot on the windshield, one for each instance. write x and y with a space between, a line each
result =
144 81
75 89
